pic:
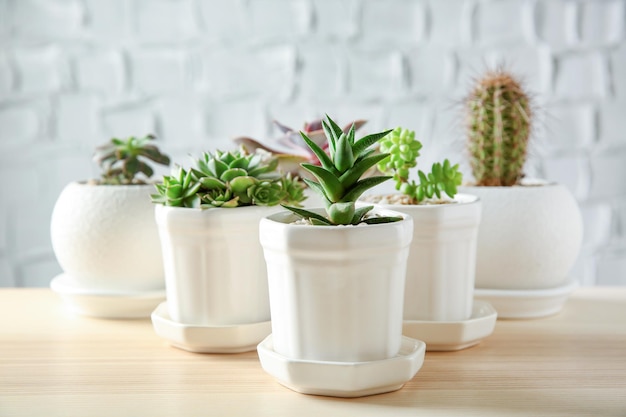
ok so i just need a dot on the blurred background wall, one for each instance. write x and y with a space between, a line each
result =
74 73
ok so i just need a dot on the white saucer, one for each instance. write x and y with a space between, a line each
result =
209 339
344 379
110 305
454 335
526 304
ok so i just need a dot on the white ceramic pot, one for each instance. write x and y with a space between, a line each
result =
529 237
336 292
442 260
105 238
214 268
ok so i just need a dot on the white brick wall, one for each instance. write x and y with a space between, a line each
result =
199 72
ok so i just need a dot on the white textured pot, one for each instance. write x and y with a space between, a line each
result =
529 237
105 238
214 268
442 260
336 292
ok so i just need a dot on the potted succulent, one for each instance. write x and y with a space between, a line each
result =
336 281
216 280
532 229
104 235
440 272
442 260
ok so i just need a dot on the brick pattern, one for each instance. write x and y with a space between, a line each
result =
199 72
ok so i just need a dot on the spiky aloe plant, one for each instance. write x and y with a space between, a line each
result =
229 179
498 119
339 176
122 160
403 150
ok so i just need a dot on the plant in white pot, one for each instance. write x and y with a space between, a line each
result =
439 295
531 230
216 280
104 235
336 281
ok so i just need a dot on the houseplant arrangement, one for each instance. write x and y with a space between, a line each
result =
104 235
532 229
442 259
336 281
216 282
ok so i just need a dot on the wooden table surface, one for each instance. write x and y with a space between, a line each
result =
53 363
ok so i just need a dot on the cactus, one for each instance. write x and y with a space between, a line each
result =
498 120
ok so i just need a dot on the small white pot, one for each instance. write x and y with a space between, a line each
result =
105 238
529 236
442 259
336 291
214 268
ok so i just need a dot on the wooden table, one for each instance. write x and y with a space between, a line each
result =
55 364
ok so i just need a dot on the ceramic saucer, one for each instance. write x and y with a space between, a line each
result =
526 304
344 379
209 339
454 335
110 305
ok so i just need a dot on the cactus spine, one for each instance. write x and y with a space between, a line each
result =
498 120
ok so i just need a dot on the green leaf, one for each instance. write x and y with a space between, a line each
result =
217 167
335 127
330 137
367 141
319 152
344 157
318 189
379 220
211 183
232 173
241 184
351 176
341 213
332 187
308 214
360 213
363 185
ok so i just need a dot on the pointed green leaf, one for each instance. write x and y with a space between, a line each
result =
332 187
330 137
307 214
318 189
367 141
334 126
344 158
360 213
361 186
351 176
211 183
319 152
232 173
379 220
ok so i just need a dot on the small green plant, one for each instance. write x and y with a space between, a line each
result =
122 160
229 179
498 119
403 150
339 176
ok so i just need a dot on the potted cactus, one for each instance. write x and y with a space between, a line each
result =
104 235
336 280
531 230
215 276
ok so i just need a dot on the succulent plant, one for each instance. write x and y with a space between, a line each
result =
403 150
339 176
121 160
227 180
498 119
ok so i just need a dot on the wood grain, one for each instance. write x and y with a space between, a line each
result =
53 363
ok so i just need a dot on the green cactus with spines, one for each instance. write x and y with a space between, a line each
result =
228 180
339 176
498 122
403 150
